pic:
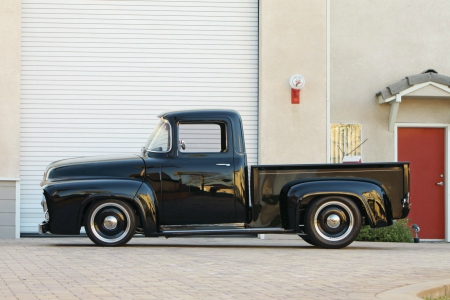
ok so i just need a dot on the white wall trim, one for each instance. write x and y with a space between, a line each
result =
17 214
394 111
328 113
17 221
441 86
9 179
446 164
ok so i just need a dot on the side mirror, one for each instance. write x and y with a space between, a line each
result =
143 151
182 145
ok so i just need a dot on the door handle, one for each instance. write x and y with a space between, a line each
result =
440 183
226 165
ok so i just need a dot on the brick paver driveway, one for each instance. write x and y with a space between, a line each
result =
213 268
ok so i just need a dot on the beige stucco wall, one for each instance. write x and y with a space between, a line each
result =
9 87
292 40
436 111
375 44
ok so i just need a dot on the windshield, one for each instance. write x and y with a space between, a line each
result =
160 140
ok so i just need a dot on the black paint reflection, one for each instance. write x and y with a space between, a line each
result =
195 190
377 206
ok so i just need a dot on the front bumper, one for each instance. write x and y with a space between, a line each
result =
43 227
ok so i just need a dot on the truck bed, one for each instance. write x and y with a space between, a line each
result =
267 182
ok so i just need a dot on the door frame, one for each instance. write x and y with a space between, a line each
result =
446 166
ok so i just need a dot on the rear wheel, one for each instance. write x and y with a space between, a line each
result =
110 223
333 222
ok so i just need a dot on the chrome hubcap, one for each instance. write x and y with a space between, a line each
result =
333 221
110 222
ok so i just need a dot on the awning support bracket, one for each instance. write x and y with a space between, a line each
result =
394 111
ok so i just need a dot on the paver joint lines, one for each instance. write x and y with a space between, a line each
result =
212 268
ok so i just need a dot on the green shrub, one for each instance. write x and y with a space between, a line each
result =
399 232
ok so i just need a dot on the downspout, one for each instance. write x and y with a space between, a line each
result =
328 148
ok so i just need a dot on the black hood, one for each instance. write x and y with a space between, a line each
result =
96 167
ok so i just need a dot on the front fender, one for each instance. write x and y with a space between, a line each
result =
148 202
368 194
144 200
68 200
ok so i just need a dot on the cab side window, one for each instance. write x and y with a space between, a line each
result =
203 137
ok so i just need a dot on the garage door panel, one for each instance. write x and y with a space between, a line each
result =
95 74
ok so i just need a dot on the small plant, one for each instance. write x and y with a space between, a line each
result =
400 232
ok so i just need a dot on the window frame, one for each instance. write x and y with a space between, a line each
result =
170 138
223 127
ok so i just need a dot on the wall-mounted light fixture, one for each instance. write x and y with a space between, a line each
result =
297 82
416 228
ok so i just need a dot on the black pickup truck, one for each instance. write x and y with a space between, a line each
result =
191 178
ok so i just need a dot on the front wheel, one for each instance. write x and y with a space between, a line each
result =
307 239
110 223
333 222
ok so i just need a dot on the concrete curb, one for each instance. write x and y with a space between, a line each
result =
417 291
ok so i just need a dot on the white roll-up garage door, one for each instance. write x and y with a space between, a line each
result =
96 73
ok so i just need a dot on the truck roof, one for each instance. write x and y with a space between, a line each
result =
201 113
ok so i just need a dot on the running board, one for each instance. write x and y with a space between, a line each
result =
224 231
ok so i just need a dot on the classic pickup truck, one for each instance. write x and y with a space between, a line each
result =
192 178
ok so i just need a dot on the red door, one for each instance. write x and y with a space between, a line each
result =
425 149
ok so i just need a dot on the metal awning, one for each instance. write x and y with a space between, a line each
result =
426 84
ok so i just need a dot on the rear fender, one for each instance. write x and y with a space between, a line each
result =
369 195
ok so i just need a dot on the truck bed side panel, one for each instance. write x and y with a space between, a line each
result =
269 180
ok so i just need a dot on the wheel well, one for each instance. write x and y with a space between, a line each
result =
307 200
129 202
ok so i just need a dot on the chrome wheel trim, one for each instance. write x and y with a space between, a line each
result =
333 221
94 229
345 209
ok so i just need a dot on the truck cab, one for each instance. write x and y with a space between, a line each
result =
201 161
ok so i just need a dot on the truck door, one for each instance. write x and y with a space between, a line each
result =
198 186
